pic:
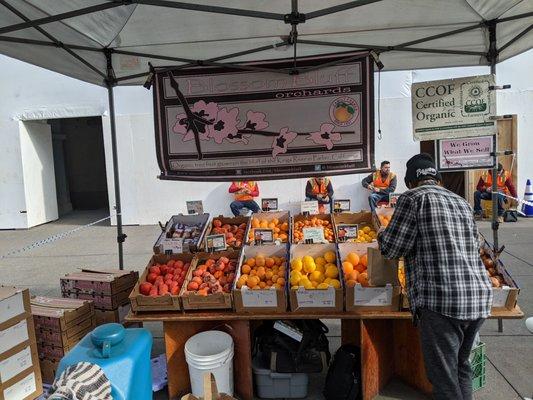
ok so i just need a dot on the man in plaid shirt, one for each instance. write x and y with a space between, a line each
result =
449 290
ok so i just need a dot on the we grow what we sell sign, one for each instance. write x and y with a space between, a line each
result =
466 153
220 124
453 108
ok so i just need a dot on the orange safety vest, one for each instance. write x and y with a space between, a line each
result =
321 188
378 181
241 185
487 178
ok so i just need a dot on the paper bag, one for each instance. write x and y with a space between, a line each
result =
381 271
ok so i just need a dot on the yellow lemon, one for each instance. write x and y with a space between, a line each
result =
316 276
320 268
327 281
332 272
323 286
308 259
366 229
296 264
294 287
320 261
335 283
309 266
330 256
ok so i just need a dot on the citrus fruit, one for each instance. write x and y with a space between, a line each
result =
353 258
329 256
296 264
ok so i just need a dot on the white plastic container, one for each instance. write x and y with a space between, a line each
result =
210 351
274 385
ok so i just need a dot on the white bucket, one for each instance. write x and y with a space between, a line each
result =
210 351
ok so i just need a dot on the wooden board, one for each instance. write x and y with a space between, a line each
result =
351 332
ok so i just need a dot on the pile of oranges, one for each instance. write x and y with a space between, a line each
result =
354 268
313 222
280 229
262 272
384 220
315 273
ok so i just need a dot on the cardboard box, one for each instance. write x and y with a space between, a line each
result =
370 298
48 370
112 316
68 337
255 301
18 360
25 386
217 301
231 221
301 217
140 302
61 315
101 282
309 301
282 216
363 218
15 333
14 302
165 245
52 353
505 297
380 213
381 270
101 301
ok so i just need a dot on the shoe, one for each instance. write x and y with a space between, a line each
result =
500 219
478 216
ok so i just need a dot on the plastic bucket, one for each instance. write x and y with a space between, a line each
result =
210 351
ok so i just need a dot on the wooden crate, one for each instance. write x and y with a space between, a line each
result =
302 217
231 221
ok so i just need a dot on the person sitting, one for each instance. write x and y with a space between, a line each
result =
380 183
321 190
244 192
484 191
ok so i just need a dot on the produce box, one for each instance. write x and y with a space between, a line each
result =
102 282
270 299
48 370
169 302
382 216
278 221
18 362
195 296
112 316
14 303
360 296
367 230
101 301
182 233
301 221
66 316
303 298
234 228
24 386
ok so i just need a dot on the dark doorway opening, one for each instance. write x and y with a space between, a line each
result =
79 162
453 181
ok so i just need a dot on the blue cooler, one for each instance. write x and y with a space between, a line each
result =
123 355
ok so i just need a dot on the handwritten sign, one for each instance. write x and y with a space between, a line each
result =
172 245
465 153
263 236
269 204
314 235
215 243
372 296
259 298
347 232
309 207
499 296
315 298
195 207
341 205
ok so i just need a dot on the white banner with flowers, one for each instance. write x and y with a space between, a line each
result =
220 124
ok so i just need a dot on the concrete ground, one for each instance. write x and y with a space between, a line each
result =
510 354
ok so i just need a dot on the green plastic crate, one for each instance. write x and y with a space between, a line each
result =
477 363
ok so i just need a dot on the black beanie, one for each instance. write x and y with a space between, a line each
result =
421 167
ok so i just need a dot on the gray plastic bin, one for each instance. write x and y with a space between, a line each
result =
273 385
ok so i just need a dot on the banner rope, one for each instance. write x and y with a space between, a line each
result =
54 238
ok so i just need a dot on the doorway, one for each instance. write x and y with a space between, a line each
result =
79 163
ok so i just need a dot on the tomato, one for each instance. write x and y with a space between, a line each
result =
168 277
163 289
145 288
155 270
151 277
153 291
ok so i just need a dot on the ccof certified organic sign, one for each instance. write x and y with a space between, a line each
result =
453 108
465 153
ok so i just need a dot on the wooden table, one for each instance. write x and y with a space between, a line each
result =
390 345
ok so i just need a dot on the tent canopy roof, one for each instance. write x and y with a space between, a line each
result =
78 37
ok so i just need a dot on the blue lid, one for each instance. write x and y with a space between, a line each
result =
111 334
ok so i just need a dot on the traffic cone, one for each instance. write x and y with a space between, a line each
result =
527 209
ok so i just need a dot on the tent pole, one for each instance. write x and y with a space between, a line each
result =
111 82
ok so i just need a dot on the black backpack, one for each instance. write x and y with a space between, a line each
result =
284 354
343 381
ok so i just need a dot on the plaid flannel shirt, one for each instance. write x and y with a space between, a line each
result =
434 230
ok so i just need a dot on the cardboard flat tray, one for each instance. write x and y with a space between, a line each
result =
186 219
104 282
231 221
14 302
68 337
101 301
302 217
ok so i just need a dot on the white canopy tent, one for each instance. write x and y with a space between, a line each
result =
112 42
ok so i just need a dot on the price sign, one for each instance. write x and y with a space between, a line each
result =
259 298
393 198
499 296
215 243
372 296
269 204
341 205
263 236
172 245
316 298
314 235
309 207
347 232
195 207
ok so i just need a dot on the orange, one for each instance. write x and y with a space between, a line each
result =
271 225
280 281
347 267
285 226
262 285
250 262
364 260
351 283
246 269
275 278
260 261
363 279
353 258
269 274
261 272
352 276
269 262
255 223
360 268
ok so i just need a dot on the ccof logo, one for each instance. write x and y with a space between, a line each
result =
344 111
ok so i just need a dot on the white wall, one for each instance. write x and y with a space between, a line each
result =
38 171
30 92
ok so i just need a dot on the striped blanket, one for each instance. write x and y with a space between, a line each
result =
81 381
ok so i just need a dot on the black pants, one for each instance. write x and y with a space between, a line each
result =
446 345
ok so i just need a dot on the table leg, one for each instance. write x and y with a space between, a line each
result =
177 333
500 325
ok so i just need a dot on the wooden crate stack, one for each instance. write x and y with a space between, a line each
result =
59 325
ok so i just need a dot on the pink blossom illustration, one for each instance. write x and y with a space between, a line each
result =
282 141
225 126
325 136
206 111
255 121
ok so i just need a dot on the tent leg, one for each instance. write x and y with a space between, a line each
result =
121 237
493 54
